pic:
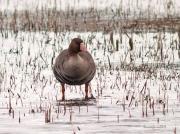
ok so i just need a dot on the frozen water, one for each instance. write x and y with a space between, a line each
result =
124 97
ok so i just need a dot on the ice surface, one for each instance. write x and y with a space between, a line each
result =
122 95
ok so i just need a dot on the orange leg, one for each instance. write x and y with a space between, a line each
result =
63 91
86 91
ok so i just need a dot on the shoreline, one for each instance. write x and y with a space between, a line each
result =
85 21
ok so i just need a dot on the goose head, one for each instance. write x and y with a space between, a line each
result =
76 46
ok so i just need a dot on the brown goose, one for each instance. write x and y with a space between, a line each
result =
74 66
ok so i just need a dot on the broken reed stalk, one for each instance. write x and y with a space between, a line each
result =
10 105
112 40
144 88
64 108
131 44
13 113
19 119
117 45
175 130
129 113
146 108
132 97
142 98
124 105
70 117
48 115
153 107
109 63
164 106
118 118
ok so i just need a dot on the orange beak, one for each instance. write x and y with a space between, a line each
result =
83 47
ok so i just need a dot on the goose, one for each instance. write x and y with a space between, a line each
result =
74 66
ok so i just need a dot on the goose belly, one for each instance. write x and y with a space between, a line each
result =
75 67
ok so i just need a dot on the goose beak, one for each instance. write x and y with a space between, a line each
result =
83 47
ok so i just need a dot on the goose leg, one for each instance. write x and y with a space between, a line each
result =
63 91
86 91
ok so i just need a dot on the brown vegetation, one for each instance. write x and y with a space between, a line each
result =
83 20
